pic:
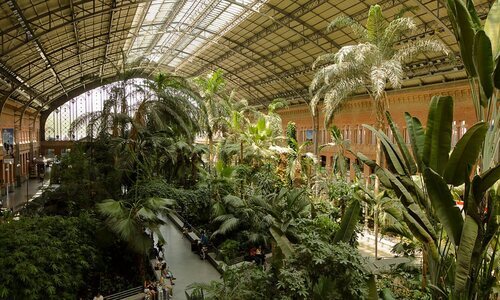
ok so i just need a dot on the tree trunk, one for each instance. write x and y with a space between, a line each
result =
380 110
210 145
316 151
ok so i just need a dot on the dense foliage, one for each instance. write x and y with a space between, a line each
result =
47 257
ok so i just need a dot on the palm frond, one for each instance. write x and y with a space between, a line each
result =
323 59
335 96
146 213
375 25
158 203
342 21
234 201
111 208
411 50
227 226
396 29
394 72
378 77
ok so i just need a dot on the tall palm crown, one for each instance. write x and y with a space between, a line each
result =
368 65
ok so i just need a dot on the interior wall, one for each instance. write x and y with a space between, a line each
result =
360 110
15 162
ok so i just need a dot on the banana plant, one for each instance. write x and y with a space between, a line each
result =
430 212
480 53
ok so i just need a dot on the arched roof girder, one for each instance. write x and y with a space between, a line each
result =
49 90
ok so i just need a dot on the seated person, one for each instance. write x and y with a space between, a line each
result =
259 256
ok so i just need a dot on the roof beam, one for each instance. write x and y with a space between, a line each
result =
17 82
193 24
108 38
26 27
245 85
75 31
137 28
283 21
168 22
84 17
430 13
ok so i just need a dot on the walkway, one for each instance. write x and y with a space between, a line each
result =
366 245
17 196
187 267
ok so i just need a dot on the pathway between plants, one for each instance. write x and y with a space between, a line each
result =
186 266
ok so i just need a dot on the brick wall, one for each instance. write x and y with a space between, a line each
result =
25 130
360 110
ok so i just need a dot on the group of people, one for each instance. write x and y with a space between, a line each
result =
162 268
155 290
257 255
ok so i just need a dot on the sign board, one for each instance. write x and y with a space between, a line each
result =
8 141
8 161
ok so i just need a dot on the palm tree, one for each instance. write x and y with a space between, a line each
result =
214 108
368 65
281 211
342 146
129 219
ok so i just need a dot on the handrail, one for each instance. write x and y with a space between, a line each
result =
124 294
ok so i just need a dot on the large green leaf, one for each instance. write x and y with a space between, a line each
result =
282 241
496 75
377 169
489 178
445 207
410 163
438 134
417 138
465 36
452 12
492 28
484 64
348 223
396 160
492 218
476 22
464 254
465 154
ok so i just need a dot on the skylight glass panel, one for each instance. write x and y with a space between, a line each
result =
187 27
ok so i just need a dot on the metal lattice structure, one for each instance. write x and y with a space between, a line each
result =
54 50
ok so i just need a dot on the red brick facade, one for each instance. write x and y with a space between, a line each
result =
26 128
360 110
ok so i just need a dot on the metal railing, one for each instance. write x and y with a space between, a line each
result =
125 294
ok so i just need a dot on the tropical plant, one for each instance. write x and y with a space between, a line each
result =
322 270
368 66
129 218
430 211
244 282
47 257
480 53
341 145
214 108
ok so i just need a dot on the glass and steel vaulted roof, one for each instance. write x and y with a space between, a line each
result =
53 50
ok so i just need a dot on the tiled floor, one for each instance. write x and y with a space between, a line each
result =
17 197
186 266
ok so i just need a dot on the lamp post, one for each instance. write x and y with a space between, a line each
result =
7 185
27 182
8 182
